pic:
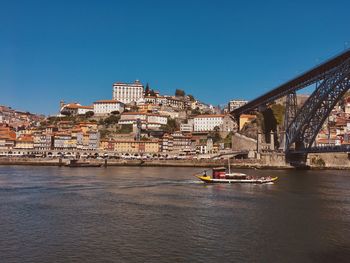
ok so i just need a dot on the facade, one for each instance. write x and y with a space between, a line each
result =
129 146
182 143
103 107
43 141
234 104
88 140
148 120
75 109
186 127
175 102
203 123
64 141
166 143
128 92
7 138
25 142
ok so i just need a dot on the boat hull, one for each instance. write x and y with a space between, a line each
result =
208 179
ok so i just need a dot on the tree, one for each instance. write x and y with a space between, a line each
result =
215 134
147 90
180 93
113 119
171 126
196 111
152 93
278 111
115 112
89 114
191 97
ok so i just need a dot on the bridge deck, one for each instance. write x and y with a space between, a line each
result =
307 78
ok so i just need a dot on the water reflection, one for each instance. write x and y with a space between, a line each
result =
134 214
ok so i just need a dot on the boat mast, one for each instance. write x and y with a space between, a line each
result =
229 167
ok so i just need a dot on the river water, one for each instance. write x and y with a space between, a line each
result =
134 214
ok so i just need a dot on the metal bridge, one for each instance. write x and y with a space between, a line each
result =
331 80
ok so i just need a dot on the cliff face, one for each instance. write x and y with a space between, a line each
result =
243 143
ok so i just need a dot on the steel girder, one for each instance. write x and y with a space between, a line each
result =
303 130
290 114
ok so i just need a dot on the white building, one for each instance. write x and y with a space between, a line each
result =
127 93
102 107
234 104
207 122
186 127
148 118
75 109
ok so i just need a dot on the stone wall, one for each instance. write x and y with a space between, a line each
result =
243 143
331 160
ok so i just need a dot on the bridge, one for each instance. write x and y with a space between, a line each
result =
331 80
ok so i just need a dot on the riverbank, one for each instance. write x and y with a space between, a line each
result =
238 164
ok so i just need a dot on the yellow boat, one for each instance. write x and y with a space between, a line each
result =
220 176
262 180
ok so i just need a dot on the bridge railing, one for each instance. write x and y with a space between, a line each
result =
326 148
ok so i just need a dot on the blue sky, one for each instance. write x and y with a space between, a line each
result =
216 50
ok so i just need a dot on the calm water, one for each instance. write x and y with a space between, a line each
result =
123 214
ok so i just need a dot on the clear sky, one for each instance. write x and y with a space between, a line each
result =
216 50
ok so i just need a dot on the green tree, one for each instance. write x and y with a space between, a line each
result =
113 119
196 111
215 134
147 90
179 93
89 114
152 93
125 128
278 111
171 126
191 97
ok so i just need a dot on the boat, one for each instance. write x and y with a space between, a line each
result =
77 163
219 175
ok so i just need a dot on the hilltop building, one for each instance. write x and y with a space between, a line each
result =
75 109
104 107
128 92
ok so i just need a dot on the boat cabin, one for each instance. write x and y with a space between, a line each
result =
219 173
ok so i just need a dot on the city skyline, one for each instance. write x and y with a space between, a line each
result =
76 51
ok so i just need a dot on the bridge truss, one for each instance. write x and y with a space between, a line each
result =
332 80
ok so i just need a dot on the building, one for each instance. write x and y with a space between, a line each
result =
7 138
87 140
75 109
130 146
104 107
186 127
175 102
128 93
24 142
207 122
166 143
234 104
148 120
43 141
182 143
64 141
